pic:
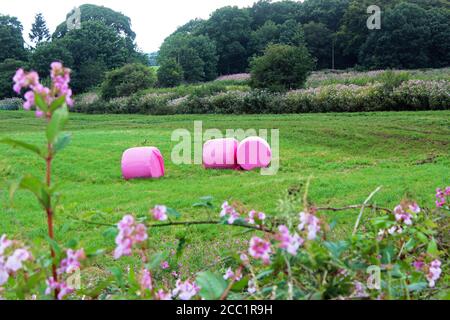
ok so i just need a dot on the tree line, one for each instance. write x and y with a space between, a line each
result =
413 34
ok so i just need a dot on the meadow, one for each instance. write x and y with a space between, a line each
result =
347 155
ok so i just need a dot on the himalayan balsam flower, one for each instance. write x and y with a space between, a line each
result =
162 295
130 233
159 213
4 244
72 262
60 86
146 280
441 196
260 249
434 273
310 223
185 290
402 216
418 265
64 288
164 265
288 242
229 211
253 216
230 274
359 290
251 287
14 262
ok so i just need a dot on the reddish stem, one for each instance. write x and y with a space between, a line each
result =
50 214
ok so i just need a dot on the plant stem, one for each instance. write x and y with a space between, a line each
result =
49 211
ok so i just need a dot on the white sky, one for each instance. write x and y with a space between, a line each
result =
152 20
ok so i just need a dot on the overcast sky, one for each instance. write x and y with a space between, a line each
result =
152 20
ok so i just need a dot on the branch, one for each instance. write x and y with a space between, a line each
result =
363 207
184 223
355 206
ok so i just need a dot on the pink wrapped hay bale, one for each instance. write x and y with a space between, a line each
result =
142 162
220 154
253 152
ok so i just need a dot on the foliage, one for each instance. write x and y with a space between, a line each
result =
281 68
11 104
411 37
11 39
230 28
39 30
127 80
196 55
319 41
170 73
7 69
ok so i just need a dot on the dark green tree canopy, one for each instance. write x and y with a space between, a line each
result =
406 39
282 67
7 70
170 73
11 39
230 29
39 31
129 79
195 54
89 12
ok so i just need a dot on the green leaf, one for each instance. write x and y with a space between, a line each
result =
212 285
336 248
59 119
57 103
34 185
238 286
40 103
432 248
173 213
56 248
62 142
156 259
23 145
118 274
418 286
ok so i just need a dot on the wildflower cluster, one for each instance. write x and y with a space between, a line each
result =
39 95
130 233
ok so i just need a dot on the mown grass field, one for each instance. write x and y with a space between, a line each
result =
347 156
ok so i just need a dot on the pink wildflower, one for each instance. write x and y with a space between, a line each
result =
146 280
434 273
185 290
159 213
310 223
289 242
164 265
14 262
418 265
230 274
402 215
162 295
4 244
441 196
251 287
130 234
229 211
254 216
72 262
260 249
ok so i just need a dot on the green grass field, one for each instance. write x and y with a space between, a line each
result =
347 156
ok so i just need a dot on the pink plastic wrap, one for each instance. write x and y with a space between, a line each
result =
142 162
220 154
253 152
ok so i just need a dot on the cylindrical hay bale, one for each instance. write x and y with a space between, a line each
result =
253 152
220 154
142 163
